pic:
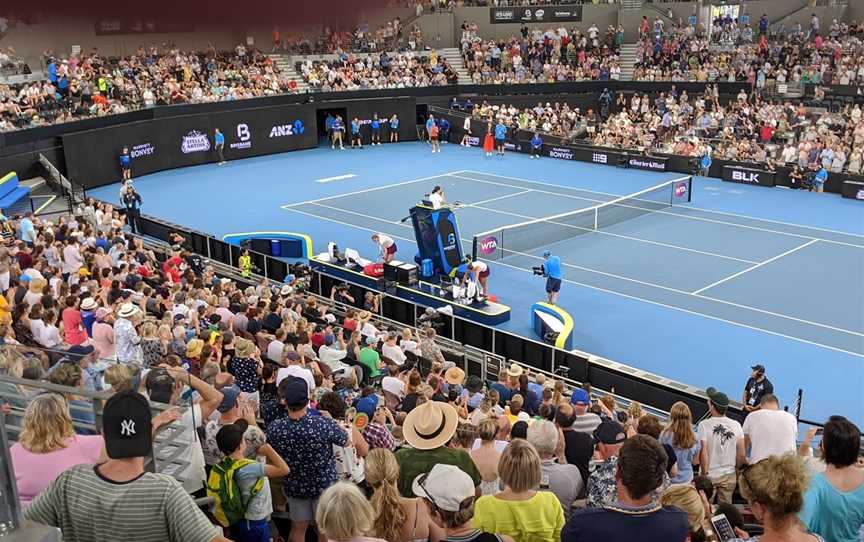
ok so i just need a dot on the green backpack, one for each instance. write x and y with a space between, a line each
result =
230 503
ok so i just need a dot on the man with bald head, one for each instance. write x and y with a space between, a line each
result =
578 446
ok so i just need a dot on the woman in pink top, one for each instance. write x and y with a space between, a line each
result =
103 334
74 332
48 446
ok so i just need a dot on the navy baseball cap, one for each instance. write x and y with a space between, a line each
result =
759 368
230 394
294 391
127 425
610 432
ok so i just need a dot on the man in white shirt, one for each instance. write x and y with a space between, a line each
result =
332 352
769 430
722 446
296 367
391 350
276 346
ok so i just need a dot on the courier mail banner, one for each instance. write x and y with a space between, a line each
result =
536 14
168 143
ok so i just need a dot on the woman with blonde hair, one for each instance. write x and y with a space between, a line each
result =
520 510
344 515
775 488
151 346
486 457
48 445
679 434
397 519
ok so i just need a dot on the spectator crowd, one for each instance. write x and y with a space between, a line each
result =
311 408
380 71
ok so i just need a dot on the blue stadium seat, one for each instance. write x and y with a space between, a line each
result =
10 191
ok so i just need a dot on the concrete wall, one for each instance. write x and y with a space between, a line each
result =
439 30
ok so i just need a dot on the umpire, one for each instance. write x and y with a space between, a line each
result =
131 200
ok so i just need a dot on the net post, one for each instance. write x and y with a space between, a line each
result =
474 251
596 219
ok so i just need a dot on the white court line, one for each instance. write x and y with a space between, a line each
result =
613 292
336 178
490 200
373 189
495 183
757 266
639 239
630 279
694 208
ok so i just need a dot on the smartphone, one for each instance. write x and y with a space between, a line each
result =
820 431
722 528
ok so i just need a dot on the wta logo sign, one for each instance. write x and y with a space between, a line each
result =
680 190
488 245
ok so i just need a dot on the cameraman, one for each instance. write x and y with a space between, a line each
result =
552 272
340 294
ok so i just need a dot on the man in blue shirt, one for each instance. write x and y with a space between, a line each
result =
635 515
355 134
219 145
705 163
27 232
536 145
552 272
500 135
126 164
820 178
376 130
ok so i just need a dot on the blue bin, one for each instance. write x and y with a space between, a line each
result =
426 268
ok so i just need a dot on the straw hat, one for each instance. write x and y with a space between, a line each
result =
515 370
128 310
36 285
194 347
454 376
430 425
244 348
89 304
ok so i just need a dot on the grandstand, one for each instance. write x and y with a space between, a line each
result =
198 340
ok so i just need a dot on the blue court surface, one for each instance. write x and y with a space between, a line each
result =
695 292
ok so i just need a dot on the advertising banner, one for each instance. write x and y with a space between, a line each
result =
544 14
167 143
853 190
743 175
650 163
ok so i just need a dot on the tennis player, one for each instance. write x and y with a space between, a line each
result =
479 272
552 272
394 129
219 145
466 126
386 247
338 128
488 144
126 164
432 132
355 134
500 136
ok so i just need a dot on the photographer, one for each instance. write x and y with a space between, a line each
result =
341 294
551 269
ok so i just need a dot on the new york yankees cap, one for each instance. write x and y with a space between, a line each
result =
127 425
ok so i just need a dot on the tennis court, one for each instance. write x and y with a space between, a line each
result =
694 292
733 268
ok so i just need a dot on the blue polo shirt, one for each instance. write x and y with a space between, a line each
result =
337 125
376 124
821 176
220 138
124 161
552 266
536 142
429 124
500 131
355 127
394 124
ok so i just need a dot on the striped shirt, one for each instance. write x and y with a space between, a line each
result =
88 508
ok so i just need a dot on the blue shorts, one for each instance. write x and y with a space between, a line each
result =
553 285
247 530
499 142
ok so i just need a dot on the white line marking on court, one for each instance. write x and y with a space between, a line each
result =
490 200
613 292
757 266
373 189
336 178
495 183
694 208
629 279
602 232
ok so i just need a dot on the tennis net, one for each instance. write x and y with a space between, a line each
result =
526 237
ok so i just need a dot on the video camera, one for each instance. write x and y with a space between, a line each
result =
538 270
432 318
303 274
